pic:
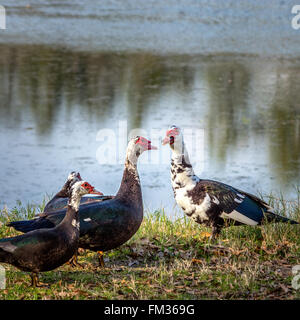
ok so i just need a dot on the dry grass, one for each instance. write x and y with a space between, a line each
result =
173 259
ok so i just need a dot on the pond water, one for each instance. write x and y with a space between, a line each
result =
72 75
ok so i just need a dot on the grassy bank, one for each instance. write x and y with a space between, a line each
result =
174 260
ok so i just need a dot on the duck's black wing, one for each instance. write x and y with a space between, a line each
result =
233 203
61 203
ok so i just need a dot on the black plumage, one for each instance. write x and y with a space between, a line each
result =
108 224
46 249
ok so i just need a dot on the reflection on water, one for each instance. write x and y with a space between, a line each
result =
53 102
285 133
228 85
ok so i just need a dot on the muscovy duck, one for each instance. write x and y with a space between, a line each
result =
105 225
46 249
60 201
209 201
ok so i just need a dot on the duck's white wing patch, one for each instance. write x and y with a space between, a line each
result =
239 217
238 200
215 200
8 246
87 219
205 204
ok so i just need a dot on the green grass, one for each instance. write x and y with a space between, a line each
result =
172 259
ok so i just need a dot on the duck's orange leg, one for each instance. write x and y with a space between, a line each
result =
74 261
100 259
35 281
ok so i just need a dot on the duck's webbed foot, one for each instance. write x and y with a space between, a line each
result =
35 281
73 262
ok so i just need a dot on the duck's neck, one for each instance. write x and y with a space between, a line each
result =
61 194
130 188
182 172
72 216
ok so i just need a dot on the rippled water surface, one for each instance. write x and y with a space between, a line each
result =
229 70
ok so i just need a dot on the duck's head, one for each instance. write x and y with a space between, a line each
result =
136 147
72 178
79 189
174 138
83 187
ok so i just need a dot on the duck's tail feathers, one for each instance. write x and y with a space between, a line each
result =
5 256
269 214
2 255
30 225
273 217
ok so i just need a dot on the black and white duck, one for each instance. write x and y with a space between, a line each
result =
46 249
208 201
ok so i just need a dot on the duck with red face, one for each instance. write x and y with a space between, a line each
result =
60 200
108 224
208 201
47 249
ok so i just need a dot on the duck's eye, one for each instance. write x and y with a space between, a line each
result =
138 139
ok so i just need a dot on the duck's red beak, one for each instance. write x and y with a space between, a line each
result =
94 191
170 136
146 144
166 141
151 147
